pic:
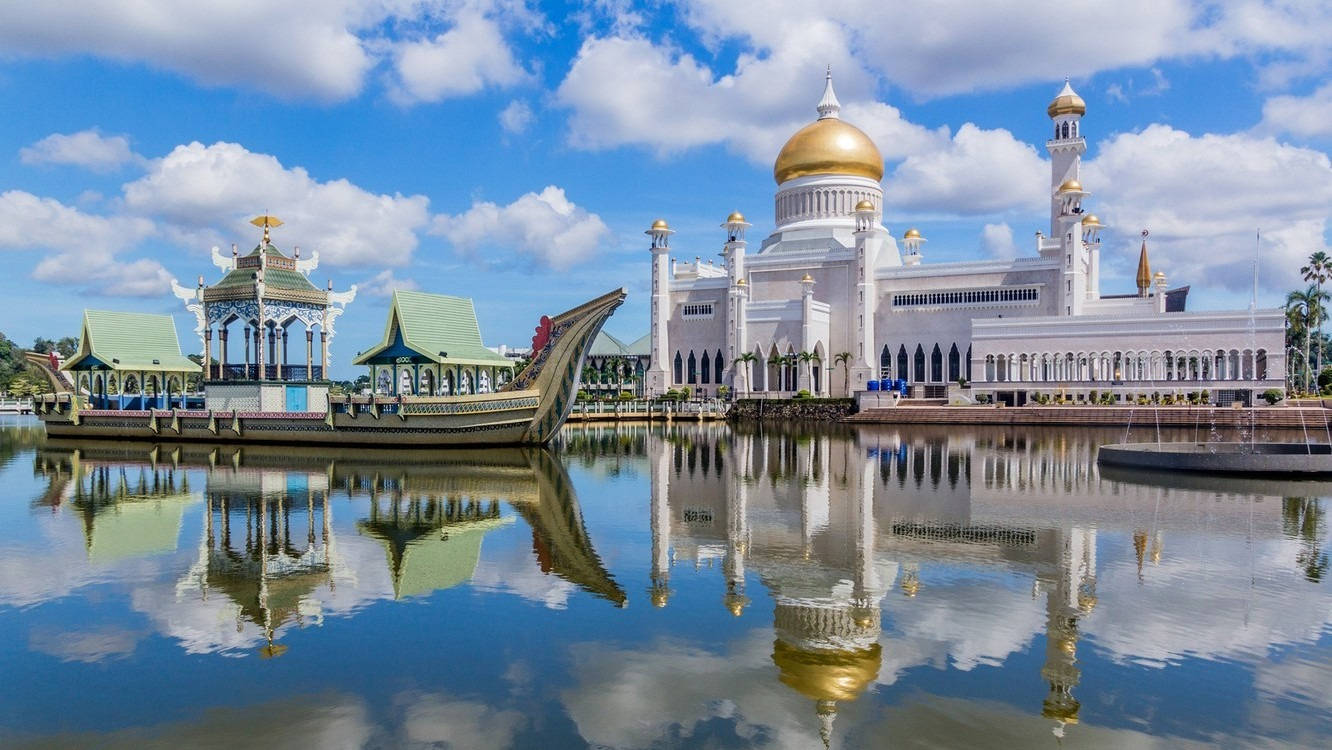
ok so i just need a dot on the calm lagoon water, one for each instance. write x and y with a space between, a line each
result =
665 587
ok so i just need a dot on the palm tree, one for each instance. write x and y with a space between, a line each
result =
743 362
1308 304
1318 270
775 360
808 359
844 359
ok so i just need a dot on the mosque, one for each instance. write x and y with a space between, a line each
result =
831 289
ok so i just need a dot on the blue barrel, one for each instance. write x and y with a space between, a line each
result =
873 385
902 387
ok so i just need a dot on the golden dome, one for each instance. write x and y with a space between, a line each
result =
1161 276
828 146
912 234
864 206
660 224
1067 102
1090 220
1070 186
826 675
741 282
735 218
806 278
659 598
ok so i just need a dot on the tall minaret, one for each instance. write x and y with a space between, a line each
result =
1144 276
737 301
869 237
1066 149
657 380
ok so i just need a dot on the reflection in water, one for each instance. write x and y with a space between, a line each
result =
856 588
829 522
268 544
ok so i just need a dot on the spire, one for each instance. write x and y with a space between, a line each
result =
1144 269
829 107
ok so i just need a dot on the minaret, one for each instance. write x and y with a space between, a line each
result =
806 334
737 525
911 242
1091 240
737 299
1066 149
657 382
828 106
869 238
1144 278
660 524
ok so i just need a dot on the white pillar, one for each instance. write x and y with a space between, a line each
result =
657 379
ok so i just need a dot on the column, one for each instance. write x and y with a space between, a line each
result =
208 353
247 352
309 354
222 358
323 351
259 349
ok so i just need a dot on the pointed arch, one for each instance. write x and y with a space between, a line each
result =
936 364
885 362
679 368
902 372
706 371
918 371
693 368
718 365
954 364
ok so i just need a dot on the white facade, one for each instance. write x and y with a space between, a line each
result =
831 300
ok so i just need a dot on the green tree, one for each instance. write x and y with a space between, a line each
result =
844 359
67 346
744 361
43 345
808 359
1317 272
1309 305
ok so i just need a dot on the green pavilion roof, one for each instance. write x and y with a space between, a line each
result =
274 278
129 341
436 327
606 345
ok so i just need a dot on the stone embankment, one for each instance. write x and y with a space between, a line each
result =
1102 416
806 410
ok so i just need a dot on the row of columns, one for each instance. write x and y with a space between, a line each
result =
1127 366
277 352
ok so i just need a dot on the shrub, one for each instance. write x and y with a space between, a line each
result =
626 395
1205 396
580 396
723 391
1168 399
671 395
685 393
1272 395
1325 378
802 393
1094 396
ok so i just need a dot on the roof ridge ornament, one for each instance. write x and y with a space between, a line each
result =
829 107
266 221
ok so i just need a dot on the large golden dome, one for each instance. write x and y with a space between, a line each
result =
828 146
827 675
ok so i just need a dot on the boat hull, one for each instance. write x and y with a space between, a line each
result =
1257 459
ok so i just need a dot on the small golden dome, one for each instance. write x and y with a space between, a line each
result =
865 206
828 146
910 587
1070 186
735 218
827 675
659 598
1091 220
735 604
741 282
660 224
1159 275
912 234
1067 102
806 279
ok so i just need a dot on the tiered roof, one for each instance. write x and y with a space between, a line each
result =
436 327
131 342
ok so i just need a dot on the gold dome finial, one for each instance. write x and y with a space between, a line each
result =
266 221
1144 278
660 224
741 282
865 205
1069 186
806 279
828 146
1090 220
912 234
1067 102
735 218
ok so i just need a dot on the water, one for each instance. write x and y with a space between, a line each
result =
684 587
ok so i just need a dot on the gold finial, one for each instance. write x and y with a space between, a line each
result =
266 221
1144 278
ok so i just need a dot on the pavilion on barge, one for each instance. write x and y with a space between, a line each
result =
432 347
130 361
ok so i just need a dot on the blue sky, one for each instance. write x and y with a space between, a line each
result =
514 152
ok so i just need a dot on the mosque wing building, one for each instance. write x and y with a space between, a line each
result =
832 299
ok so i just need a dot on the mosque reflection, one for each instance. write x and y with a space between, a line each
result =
269 544
830 522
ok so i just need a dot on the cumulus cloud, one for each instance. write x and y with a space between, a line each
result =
997 241
463 60
82 249
208 193
517 117
544 227
384 284
978 171
1306 116
1203 198
86 148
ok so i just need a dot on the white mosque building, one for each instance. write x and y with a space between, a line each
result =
831 300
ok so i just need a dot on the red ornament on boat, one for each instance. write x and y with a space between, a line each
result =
542 336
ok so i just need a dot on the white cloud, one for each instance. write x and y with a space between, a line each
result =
86 148
976 172
384 284
517 117
997 241
208 193
1203 197
1307 116
84 249
463 60
546 227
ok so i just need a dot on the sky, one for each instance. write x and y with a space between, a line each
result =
516 151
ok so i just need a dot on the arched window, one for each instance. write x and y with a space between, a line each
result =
718 365
707 369
919 372
885 363
693 368
936 364
968 368
1065 130
679 368
902 372
954 364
